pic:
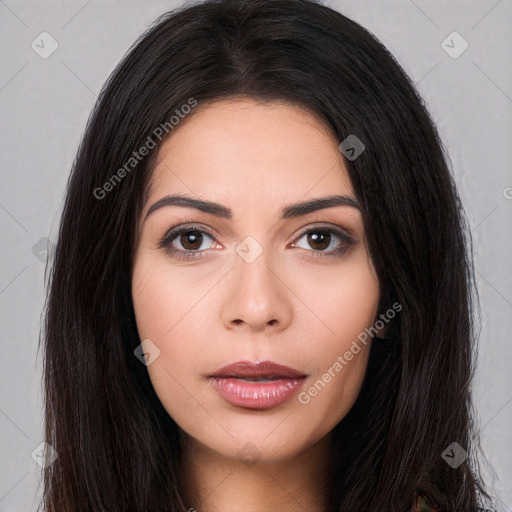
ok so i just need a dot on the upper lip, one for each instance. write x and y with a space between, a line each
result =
257 369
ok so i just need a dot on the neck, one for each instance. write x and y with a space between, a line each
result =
214 483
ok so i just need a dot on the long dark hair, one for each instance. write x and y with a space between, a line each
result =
118 449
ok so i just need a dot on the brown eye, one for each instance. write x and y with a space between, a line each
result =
191 240
325 241
186 241
319 240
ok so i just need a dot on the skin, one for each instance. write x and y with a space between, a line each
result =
286 306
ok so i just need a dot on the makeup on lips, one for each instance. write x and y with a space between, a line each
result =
256 385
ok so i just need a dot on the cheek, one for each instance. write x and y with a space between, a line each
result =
165 299
351 302
344 298
346 302
167 305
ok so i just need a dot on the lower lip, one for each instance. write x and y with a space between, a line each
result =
256 395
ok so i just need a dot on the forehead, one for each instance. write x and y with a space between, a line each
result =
249 150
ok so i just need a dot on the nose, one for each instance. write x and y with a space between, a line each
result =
257 296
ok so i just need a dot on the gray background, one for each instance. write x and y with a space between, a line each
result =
45 103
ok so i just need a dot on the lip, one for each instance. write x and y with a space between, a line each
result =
283 382
242 369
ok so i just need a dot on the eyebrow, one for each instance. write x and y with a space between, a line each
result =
289 211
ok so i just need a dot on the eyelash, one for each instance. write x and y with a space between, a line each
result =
166 241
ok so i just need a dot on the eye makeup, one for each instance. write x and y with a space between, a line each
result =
316 235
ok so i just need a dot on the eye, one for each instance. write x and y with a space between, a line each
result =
194 241
186 242
325 241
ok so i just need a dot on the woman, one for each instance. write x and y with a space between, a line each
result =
260 298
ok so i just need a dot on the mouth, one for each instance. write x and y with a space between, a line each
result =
256 385
269 378
254 371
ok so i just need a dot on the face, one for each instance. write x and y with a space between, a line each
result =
252 279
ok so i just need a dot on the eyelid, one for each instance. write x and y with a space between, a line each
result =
171 234
346 238
344 233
